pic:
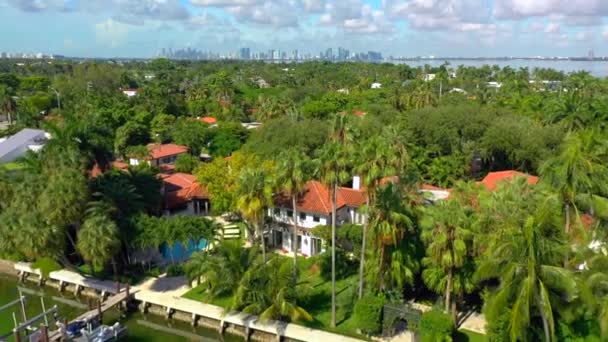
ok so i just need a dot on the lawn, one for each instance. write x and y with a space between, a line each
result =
318 299
464 335
12 166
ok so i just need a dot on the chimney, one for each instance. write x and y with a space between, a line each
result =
357 183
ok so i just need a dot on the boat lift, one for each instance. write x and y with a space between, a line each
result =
30 333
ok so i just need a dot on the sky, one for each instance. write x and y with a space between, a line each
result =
141 28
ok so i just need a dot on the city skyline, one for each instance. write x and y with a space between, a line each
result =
467 28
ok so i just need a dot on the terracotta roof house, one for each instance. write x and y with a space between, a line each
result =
209 120
493 179
314 209
183 195
161 154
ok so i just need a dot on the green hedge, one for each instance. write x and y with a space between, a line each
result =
436 326
368 314
46 266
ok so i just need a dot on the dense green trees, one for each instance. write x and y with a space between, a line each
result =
521 250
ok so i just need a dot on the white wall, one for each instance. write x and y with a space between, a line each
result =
308 222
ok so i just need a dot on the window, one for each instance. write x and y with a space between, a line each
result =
290 213
316 219
277 211
302 216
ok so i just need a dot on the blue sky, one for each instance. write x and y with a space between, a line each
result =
140 28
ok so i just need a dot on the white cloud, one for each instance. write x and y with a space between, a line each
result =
38 5
355 17
583 36
553 28
111 33
605 33
516 9
460 15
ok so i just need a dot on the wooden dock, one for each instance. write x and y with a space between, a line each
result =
103 307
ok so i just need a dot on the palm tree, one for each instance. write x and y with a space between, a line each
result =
291 179
255 196
390 219
375 161
596 281
333 162
578 173
447 232
221 269
269 290
98 239
7 103
526 263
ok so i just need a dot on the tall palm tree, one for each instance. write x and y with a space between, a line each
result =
526 263
390 221
578 172
447 232
374 162
292 175
7 103
333 162
254 197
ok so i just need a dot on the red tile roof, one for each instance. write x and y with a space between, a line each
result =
316 198
96 170
209 119
120 165
355 112
492 180
181 188
158 151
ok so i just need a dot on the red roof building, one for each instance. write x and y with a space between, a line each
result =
209 120
493 179
316 198
161 154
182 191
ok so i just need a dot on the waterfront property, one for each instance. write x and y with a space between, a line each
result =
183 195
314 209
161 155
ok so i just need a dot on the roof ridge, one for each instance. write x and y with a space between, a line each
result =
316 184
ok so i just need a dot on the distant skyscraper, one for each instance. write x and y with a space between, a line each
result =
374 56
329 54
295 55
591 55
342 54
245 53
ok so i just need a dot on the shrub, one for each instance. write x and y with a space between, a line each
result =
344 265
175 271
435 325
368 314
46 266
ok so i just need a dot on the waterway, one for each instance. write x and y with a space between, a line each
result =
140 327
595 68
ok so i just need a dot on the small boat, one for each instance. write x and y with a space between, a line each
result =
104 333
75 328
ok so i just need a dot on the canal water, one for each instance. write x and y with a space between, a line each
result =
140 327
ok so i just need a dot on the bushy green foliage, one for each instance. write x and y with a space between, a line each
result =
46 266
175 271
186 163
368 314
436 326
344 265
